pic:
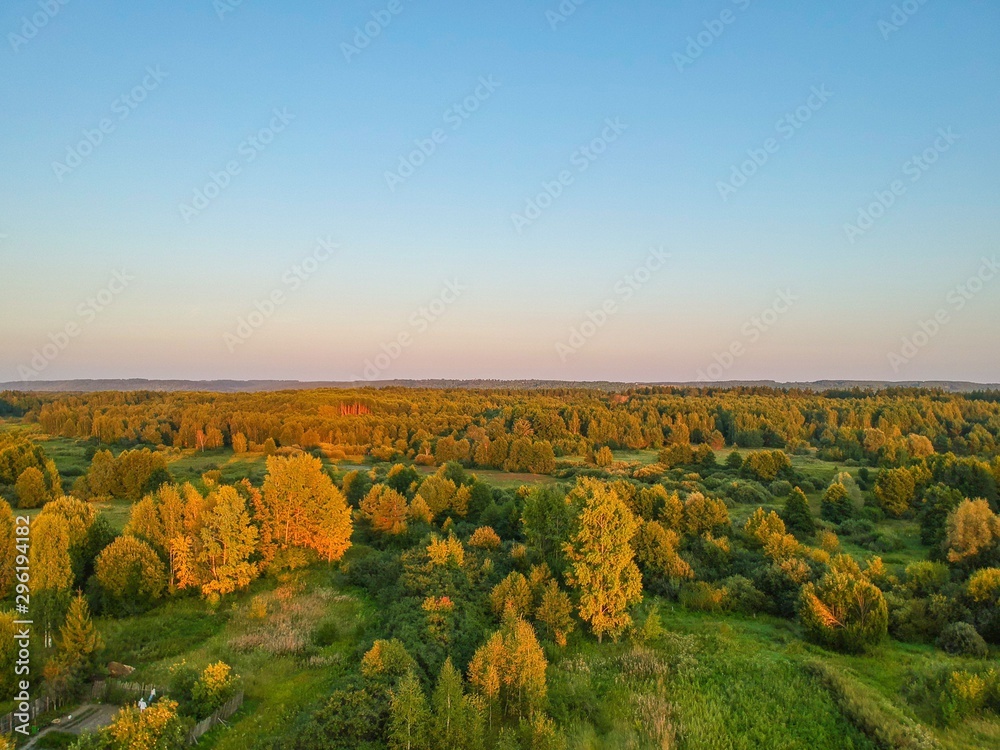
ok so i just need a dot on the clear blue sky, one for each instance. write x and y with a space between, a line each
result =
657 184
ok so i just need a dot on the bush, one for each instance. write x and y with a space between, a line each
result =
748 493
961 639
780 488
742 596
844 611
702 597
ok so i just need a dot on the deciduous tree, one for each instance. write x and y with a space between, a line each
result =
602 564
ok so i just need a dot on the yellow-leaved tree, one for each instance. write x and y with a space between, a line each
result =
972 528
509 670
228 539
301 507
602 562
8 556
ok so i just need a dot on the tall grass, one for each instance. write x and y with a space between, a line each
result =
872 713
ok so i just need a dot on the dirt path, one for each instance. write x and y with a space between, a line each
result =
86 718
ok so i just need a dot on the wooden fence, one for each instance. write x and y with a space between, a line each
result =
102 688
224 712
37 706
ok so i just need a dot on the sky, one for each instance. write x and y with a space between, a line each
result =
576 190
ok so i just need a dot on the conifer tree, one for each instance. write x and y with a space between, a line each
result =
79 640
796 514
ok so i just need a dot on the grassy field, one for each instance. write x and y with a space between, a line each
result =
735 683
287 639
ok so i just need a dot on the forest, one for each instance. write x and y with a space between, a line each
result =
437 569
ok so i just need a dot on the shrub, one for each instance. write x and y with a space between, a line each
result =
844 611
780 487
924 578
961 639
216 685
702 597
742 596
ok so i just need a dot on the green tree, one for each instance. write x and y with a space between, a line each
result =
450 723
79 640
547 517
796 514
409 718
938 502
555 612
8 655
895 489
130 573
602 565
836 505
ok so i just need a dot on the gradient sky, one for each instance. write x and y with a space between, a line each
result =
353 120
